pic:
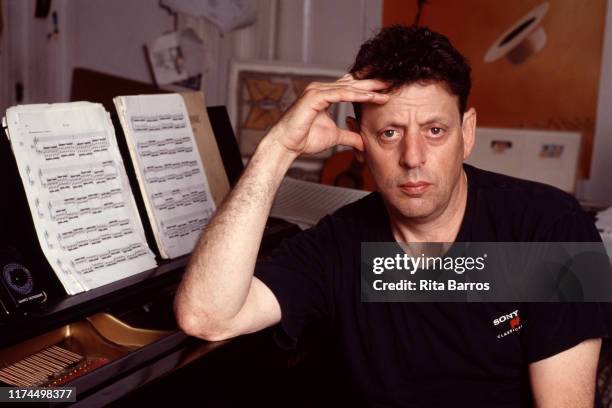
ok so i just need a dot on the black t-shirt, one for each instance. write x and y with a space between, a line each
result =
434 354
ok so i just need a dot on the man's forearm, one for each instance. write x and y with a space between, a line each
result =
218 297
218 277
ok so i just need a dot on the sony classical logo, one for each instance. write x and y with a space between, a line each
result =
511 322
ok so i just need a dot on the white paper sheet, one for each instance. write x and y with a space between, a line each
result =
305 203
79 196
169 169
228 15
604 224
167 59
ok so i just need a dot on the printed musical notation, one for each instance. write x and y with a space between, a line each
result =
166 152
78 176
94 234
80 144
167 177
71 208
151 123
186 225
186 197
169 168
109 258
162 143
77 189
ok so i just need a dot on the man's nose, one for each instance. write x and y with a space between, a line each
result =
413 150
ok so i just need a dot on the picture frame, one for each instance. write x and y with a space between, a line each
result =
259 92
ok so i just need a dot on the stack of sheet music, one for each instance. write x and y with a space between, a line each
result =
169 169
80 199
78 192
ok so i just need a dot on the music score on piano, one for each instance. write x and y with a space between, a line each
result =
169 169
79 144
78 176
185 225
84 212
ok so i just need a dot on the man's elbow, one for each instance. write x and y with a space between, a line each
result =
200 325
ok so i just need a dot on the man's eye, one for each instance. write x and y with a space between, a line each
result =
389 133
436 131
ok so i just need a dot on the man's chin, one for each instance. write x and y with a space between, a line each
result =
416 209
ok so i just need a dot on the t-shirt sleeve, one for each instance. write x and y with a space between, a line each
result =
298 274
551 328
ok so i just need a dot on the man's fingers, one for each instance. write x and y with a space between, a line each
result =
349 138
322 99
348 80
369 84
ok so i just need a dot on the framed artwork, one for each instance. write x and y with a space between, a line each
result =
261 91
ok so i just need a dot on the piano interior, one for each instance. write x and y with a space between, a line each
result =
61 355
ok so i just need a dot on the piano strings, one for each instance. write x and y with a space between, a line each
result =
39 369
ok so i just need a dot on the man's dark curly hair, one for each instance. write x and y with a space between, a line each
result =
402 55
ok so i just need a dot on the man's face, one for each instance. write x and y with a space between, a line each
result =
414 147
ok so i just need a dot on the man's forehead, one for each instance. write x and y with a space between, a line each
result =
420 99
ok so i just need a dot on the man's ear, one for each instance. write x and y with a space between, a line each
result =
468 130
353 126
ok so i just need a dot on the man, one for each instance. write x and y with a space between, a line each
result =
409 87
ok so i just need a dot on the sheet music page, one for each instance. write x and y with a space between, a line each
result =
78 192
169 169
305 203
604 224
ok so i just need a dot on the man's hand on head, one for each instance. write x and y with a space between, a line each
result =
307 127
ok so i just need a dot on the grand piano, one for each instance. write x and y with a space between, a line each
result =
119 344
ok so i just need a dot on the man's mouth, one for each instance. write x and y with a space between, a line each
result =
414 189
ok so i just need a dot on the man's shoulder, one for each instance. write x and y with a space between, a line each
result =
516 194
369 206
507 208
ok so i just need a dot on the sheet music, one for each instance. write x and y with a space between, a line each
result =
169 169
79 196
604 224
305 203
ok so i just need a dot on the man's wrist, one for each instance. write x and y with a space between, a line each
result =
272 152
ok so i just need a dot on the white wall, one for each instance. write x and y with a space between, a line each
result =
110 35
320 32
33 59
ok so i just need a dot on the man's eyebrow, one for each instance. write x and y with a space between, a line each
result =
434 119
381 124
